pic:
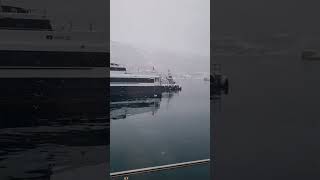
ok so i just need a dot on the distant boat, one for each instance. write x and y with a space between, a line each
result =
206 79
168 84
218 82
310 54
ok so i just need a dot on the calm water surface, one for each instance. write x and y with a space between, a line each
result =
268 125
173 129
59 149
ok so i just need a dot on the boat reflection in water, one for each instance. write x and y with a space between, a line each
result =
123 109
130 107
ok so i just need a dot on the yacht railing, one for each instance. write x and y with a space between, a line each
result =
127 173
42 12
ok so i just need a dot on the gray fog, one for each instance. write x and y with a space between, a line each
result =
167 34
178 25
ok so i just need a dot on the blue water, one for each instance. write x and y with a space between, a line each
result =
176 131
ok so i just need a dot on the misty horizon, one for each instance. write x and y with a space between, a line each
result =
144 58
178 39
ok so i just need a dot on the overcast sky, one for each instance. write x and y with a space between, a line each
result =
177 25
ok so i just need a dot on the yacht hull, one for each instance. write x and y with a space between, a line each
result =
134 92
10 58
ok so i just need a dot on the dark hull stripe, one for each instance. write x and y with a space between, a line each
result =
133 92
44 90
25 24
54 58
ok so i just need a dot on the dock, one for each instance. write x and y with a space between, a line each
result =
127 173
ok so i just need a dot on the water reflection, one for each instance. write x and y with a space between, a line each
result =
266 120
129 107
123 109
40 146
159 131
216 95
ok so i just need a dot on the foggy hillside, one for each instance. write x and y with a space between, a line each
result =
162 60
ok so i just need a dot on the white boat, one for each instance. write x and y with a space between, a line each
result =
168 83
124 84
206 79
47 68
31 47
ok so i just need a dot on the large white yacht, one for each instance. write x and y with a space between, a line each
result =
40 64
124 84
28 40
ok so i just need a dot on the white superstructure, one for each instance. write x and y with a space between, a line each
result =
31 47
120 77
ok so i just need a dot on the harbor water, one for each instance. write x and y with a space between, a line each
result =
154 132
268 126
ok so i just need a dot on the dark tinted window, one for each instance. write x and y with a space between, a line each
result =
13 9
53 58
138 80
25 24
118 69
